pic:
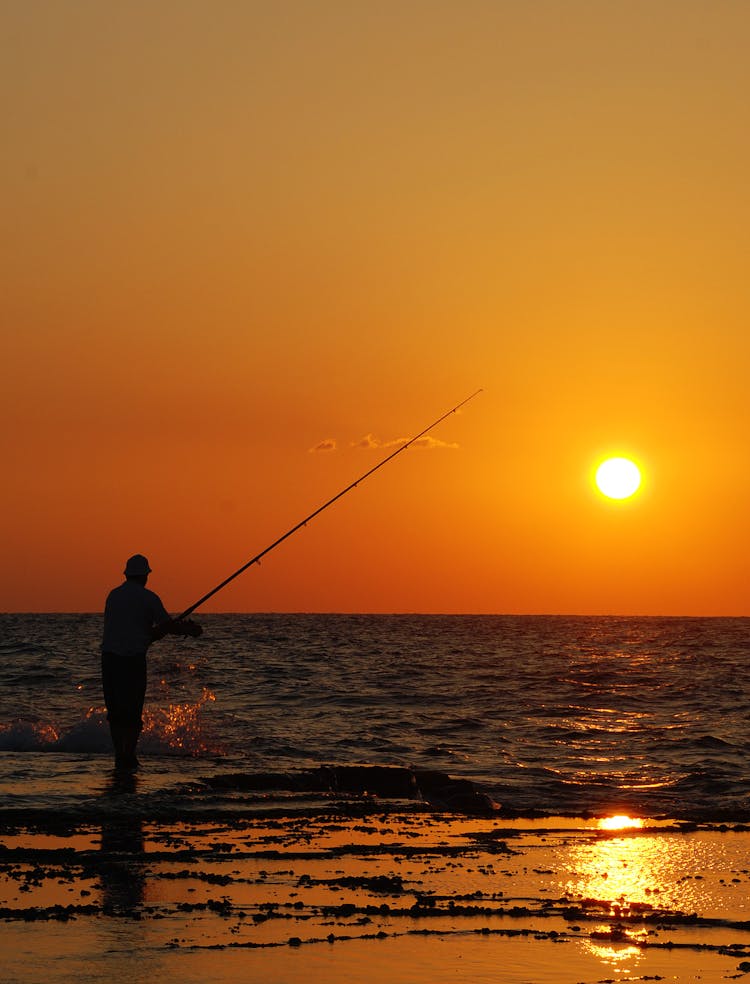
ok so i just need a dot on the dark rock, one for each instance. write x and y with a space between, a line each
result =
438 789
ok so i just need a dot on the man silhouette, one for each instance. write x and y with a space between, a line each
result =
134 617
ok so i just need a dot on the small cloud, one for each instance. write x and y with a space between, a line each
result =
433 442
329 444
369 442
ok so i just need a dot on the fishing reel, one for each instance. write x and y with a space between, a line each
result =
187 627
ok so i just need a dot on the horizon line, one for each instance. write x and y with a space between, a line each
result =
393 614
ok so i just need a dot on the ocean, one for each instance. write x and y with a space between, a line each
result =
555 715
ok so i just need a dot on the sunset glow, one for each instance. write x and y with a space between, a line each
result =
251 247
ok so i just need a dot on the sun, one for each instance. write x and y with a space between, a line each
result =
618 478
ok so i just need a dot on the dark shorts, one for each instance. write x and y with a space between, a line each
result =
124 684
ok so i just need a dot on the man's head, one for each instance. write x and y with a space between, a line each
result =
137 568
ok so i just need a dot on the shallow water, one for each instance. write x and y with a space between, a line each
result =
640 715
404 898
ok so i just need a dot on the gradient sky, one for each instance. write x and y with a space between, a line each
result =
241 237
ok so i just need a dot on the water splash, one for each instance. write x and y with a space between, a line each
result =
180 729
176 730
27 736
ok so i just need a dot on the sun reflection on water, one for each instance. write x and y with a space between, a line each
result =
620 822
619 958
631 873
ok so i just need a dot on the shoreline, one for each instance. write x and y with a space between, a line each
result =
410 894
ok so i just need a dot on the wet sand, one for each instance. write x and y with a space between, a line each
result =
352 891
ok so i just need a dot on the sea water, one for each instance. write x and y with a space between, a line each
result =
555 714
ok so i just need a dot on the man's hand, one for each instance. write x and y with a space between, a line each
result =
189 628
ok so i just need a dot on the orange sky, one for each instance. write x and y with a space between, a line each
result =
236 230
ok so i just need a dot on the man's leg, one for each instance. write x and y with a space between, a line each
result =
130 740
118 732
124 684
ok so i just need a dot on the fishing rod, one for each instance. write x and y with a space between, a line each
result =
258 557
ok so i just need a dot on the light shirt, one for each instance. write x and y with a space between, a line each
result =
130 613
